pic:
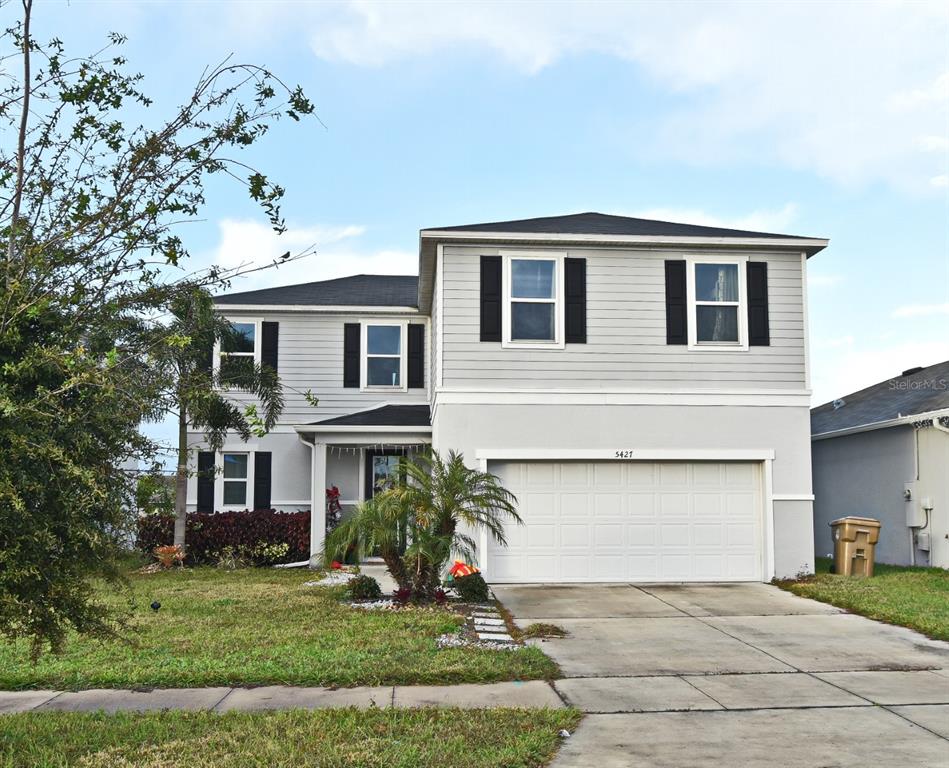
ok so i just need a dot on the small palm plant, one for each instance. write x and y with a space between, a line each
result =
419 524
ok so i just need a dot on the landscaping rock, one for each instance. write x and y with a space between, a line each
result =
331 579
375 605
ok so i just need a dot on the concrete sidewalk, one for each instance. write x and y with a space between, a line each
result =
531 694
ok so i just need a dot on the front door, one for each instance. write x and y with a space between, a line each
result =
382 471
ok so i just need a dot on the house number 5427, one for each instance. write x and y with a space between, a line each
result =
624 454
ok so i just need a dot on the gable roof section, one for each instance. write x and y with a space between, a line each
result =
384 416
355 291
592 223
922 391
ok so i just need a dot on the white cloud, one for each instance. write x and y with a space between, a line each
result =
250 242
841 90
922 310
838 371
939 182
757 221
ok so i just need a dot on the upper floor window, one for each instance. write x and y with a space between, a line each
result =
533 305
384 359
717 301
238 351
235 477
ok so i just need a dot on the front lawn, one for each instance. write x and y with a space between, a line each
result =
262 627
340 737
917 598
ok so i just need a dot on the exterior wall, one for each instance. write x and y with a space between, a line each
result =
290 467
310 357
783 429
864 475
626 331
934 484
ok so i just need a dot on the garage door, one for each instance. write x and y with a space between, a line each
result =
631 521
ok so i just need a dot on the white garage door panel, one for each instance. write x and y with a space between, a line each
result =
631 521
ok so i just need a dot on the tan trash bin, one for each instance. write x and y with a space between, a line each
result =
855 540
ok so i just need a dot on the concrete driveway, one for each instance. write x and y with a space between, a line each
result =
744 675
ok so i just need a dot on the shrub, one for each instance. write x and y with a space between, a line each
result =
472 588
363 587
261 536
402 595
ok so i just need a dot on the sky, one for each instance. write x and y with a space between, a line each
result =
822 119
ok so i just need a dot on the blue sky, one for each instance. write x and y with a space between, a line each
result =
826 119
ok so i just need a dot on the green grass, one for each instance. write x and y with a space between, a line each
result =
337 738
260 627
917 598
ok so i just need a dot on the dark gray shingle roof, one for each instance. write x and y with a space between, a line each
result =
592 223
925 390
384 416
355 291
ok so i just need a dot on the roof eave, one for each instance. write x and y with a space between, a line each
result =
885 424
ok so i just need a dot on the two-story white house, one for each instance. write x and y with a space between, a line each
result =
641 386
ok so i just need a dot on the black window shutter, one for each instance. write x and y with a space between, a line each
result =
575 295
351 342
416 361
677 305
490 298
262 480
269 336
205 481
759 334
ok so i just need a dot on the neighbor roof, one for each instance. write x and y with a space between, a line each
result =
384 416
917 391
355 291
592 223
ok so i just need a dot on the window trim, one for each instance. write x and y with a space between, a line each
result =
246 450
558 301
742 304
258 344
364 356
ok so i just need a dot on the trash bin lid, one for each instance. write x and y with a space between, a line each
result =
866 521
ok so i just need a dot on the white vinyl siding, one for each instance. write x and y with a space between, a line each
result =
626 331
311 358
636 521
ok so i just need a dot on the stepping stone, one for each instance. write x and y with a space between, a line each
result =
496 637
485 615
489 622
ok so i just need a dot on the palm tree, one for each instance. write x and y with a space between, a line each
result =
446 499
419 524
198 394
376 526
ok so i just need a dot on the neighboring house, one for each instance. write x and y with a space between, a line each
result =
883 452
641 386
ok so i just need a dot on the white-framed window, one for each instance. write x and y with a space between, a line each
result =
236 479
718 303
532 313
384 359
237 352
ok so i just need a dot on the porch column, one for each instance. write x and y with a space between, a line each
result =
318 505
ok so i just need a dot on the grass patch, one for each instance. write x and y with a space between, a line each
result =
543 630
338 737
917 598
263 627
